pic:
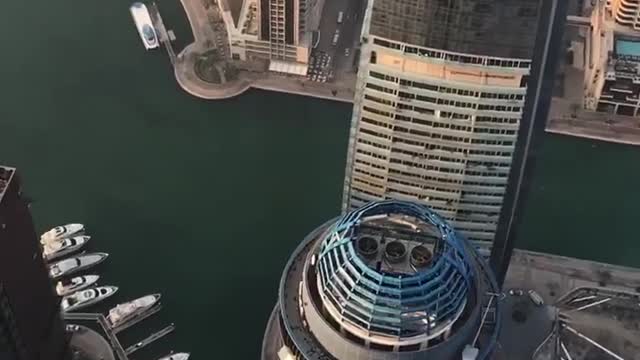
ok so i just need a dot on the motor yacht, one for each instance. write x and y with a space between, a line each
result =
61 232
176 356
55 249
66 287
84 298
123 312
74 264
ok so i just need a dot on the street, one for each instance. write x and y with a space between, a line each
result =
329 61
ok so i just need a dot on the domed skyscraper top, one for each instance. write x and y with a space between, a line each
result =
390 280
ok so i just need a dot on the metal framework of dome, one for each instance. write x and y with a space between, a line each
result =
405 307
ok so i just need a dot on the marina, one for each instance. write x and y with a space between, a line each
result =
82 291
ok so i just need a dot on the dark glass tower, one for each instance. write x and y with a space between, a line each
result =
547 51
30 324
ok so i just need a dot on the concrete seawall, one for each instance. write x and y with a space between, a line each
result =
587 125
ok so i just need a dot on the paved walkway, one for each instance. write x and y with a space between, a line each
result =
91 345
586 124
592 125
203 35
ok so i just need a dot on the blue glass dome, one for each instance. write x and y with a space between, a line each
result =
381 294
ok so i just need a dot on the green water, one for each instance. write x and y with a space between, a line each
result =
203 201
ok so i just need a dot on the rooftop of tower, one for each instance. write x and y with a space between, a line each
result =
399 281
481 27
6 173
406 271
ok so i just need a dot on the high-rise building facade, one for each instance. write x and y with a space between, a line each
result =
30 324
439 97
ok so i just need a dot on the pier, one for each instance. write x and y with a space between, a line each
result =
111 333
111 336
165 36
153 337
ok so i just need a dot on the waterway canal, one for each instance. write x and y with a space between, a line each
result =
203 201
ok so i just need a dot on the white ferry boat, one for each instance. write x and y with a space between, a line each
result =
144 25
123 312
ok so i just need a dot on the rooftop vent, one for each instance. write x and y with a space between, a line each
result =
395 252
421 256
367 247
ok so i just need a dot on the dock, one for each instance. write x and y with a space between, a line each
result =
111 333
153 337
165 36
136 319
102 321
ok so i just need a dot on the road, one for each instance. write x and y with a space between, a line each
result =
353 14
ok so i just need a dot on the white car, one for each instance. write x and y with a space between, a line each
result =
346 52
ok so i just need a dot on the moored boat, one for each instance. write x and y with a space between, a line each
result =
74 264
176 356
70 286
84 298
143 22
123 312
62 232
55 249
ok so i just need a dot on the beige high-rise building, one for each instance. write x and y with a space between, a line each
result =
439 98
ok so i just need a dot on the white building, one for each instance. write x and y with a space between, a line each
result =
438 106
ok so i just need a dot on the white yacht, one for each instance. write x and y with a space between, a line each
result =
74 264
56 249
67 287
61 232
123 312
143 22
85 298
176 356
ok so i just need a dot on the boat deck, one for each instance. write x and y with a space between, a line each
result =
137 318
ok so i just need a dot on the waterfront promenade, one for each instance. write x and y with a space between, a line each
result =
184 70
562 118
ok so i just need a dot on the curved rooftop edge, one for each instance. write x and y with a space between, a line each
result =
309 331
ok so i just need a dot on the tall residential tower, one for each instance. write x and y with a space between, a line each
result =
30 324
439 99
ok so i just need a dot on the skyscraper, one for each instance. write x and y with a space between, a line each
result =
390 280
439 98
30 324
